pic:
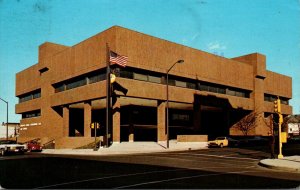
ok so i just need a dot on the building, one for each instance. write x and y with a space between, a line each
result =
293 125
65 91
293 129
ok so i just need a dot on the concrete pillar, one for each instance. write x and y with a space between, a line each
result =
259 74
131 126
66 121
161 121
260 128
87 119
116 122
131 133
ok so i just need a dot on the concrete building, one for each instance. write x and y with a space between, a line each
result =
66 90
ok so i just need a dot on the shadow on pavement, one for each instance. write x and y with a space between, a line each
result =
78 173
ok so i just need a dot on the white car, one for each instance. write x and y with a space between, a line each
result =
11 146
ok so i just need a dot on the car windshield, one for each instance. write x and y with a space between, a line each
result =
220 138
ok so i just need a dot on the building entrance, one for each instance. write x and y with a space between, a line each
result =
138 123
214 123
76 125
214 116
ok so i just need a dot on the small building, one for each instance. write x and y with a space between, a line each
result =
293 129
62 94
13 130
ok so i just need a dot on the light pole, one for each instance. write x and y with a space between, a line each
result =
6 117
167 121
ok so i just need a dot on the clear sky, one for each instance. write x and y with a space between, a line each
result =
226 27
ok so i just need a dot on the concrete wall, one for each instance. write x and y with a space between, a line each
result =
192 138
73 142
150 53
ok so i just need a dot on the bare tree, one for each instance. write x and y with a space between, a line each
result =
247 123
269 122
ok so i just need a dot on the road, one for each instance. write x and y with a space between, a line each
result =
233 168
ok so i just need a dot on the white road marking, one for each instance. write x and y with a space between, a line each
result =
220 156
179 178
108 177
208 160
134 174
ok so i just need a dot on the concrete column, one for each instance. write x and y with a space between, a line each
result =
66 121
116 122
260 128
87 119
131 133
161 121
131 126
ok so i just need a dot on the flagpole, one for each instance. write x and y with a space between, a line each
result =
108 95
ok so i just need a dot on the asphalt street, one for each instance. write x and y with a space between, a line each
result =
232 168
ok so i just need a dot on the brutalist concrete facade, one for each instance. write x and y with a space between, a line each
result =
66 90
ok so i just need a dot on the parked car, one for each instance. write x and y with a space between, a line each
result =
11 146
223 141
34 146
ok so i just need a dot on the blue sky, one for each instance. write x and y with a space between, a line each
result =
226 27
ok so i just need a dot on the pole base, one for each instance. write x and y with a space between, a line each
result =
280 156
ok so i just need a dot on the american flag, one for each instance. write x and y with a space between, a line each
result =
118 59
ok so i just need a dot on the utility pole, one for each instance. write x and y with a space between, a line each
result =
167 106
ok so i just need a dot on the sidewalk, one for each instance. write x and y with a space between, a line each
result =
288 163
132 148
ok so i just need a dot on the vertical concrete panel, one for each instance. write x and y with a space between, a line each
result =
161 121
116 122
66 121
87 119
259 105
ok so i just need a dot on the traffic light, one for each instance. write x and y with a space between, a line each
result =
280 119
95 124
92 125
112 78
277 106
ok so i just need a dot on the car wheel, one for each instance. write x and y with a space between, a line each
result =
221 145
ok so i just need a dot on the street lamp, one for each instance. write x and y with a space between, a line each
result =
167 128
6 117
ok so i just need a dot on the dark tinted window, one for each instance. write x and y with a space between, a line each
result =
76 83
29 96
31 114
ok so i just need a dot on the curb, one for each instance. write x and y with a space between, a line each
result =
113 152
106 152
278 167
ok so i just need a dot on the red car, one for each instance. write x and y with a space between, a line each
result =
34 147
